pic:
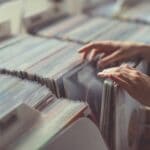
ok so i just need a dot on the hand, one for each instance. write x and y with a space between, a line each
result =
114 51
135 83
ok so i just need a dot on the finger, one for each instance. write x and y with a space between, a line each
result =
110 70
122 83
122 72
103 75
125 72
124 65
85 55
87 48
126 76
99 45
92 54
89 55
121 76
104 55
112 58
115 71
107 73
129 74
116 78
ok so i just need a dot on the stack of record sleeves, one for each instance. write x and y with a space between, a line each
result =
21 56
85 31
68 23
17 122
55 66
21 52
42 57
98 28
141 35
58 61
108 8
10 41
124 31
133 13
28 51
60 115
15 91
126 10
131 119
103 29
81 82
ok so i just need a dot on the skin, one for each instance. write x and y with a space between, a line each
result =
134 82
115 51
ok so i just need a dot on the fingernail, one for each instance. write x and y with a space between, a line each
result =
80 50
100 74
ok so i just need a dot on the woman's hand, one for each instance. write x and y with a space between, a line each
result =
135 83
114 51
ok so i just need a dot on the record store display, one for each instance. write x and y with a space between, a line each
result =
50 69
45 86
57 62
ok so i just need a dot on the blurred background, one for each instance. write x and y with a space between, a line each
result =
21 15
